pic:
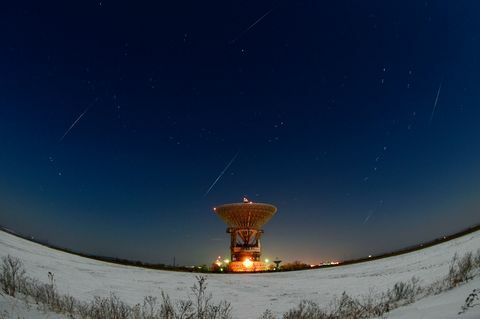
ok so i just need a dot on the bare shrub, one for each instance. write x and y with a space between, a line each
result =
201 307
69 304
12 274
306 310
476 259
345 307
371 305
47 296
184 309
82 309
149 308
460 270
436 287
267 314
167 308
110 307
203 302
179 310
50 296
404 292
375 305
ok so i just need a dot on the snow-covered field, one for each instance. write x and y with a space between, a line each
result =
250 294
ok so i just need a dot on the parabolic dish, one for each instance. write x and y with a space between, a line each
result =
246 215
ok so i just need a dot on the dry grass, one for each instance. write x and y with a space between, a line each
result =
372 305
15 282
12 273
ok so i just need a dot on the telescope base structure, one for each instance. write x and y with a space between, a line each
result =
239 266
245 250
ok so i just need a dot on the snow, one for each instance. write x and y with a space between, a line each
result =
251 294
11 308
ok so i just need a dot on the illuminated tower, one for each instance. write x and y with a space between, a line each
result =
245 221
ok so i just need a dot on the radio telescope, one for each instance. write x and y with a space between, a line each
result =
245 221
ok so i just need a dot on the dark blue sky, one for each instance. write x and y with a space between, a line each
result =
331 107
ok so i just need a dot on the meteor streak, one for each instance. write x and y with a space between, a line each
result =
251 26
74 123
436 101
221 174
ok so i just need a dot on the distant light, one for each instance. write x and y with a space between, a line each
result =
369 256
226 261
267 261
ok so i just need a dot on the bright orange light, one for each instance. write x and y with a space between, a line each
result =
247 263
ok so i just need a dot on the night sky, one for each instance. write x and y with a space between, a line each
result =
359 120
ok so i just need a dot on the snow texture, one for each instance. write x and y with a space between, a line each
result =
251 294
